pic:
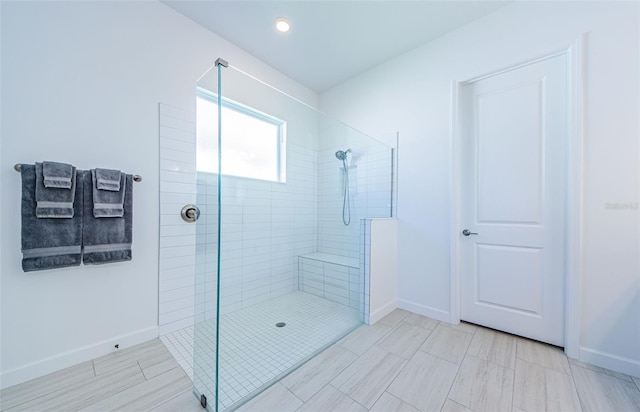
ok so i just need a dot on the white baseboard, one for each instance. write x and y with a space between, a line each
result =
428 311
606 360
64 360
382 312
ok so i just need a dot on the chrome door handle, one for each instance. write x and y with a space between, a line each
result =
467 232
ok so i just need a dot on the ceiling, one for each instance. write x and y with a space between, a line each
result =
330 41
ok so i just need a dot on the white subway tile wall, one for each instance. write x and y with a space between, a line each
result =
370 188
264 227
177 240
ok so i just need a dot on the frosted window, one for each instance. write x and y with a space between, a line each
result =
252 142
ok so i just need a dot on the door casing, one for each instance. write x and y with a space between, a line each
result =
574 54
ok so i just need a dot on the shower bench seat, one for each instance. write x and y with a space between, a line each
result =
335 259
333 277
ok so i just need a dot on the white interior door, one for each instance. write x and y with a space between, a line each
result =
514 130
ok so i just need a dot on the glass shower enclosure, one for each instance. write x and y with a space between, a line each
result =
282 190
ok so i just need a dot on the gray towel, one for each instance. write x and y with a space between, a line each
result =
57 175
106 240
48 243
107 203
108 179
53 202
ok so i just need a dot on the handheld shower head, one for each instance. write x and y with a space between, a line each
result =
345 157
342 154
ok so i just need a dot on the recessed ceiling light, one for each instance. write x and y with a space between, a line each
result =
282 25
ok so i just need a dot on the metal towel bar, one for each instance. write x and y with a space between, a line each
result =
18 167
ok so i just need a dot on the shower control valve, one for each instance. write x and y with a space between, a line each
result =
190 213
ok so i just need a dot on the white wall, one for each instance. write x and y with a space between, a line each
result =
413 94
81 83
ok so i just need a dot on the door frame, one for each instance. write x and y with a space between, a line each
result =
574 53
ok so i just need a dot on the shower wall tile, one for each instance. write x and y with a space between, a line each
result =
265 226
177 264
330 280
370 186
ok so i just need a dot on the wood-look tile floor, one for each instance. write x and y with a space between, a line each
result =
405 362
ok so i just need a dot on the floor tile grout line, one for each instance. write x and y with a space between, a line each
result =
406 363
345 366
513 387
383 392
144 375
316 392
458 327
424 341
553 369
398 372
14 407
575 388
604 373
98 399
502 366
344 394
457 403
358 403
456 377
190 390
441 358
290 391
383 336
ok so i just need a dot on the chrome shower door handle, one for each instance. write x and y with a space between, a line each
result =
467 232
190 213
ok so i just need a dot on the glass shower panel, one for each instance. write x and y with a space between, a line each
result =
290 280
205 364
